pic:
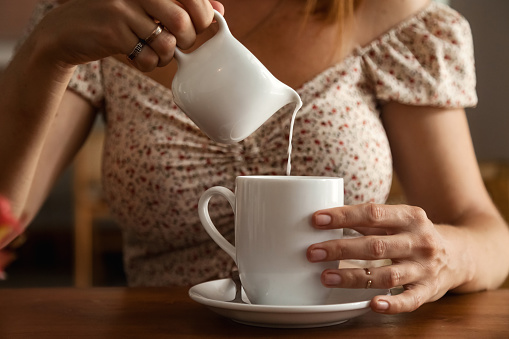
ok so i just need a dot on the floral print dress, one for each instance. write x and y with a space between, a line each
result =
157 163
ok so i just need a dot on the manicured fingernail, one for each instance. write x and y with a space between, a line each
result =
322 219
317 255
332 279
382 305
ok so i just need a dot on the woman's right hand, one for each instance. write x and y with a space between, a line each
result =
80 31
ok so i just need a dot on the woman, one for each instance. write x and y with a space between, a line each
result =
383 83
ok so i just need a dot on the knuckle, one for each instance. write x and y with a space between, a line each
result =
180 21
407 303
434 289
375 213
165 47
203 22
169 43
337 252
429 245
146 62
116 6
427 241
349 277
378 248
394 278
117 9
106 36
340 217
418 214
415 301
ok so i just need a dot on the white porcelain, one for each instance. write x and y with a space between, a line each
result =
225 90
272 232
342 304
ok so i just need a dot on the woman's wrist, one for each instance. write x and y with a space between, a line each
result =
35 80
44 50
460 260
479 254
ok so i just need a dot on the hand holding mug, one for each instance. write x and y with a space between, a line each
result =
403 234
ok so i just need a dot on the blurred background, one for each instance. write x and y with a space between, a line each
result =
68 223
73 242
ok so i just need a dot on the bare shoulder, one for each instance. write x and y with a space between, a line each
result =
375 17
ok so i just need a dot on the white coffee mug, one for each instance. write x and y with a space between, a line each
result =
225 90
272 232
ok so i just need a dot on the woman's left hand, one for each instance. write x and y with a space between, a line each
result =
403 234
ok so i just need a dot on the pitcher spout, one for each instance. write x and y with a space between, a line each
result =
294 97
270 102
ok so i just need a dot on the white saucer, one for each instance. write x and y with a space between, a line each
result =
217 293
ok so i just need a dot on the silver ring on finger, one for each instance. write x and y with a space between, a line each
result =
137 49
155 33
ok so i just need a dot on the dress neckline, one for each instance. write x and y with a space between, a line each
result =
357 52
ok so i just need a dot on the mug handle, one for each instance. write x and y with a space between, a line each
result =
203 212
223 29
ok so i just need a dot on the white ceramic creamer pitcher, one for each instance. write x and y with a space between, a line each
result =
225 90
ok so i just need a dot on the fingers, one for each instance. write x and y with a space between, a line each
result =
390 217
180 24
164 46
156 53
149 55
364 248
407 234
201 13
408 301
217 6
401 233
384 277
182 21
96 29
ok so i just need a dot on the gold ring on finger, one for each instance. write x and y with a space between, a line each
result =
368 272
158 30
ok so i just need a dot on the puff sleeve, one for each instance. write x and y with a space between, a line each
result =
427 60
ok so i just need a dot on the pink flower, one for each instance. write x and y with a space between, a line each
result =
9 225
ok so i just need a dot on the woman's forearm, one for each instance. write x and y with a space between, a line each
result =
31 89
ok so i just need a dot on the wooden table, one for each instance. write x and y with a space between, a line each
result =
170 313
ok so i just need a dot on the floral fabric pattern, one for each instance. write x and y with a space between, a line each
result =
157 163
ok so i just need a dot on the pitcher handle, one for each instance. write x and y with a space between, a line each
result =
223 28
203 212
